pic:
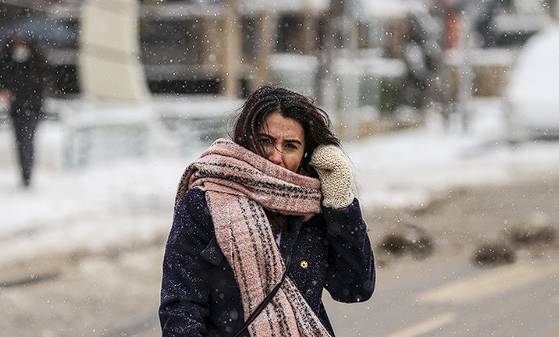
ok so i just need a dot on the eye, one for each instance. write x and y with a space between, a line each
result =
291 146
265 141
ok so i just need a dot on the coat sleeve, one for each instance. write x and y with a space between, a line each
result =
351 271
184 290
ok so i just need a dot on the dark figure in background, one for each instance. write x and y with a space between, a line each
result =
22 73
422 56
485 22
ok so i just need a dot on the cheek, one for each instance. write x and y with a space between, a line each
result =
293 161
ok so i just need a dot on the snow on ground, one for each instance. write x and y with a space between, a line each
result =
82 209
409 168
129 202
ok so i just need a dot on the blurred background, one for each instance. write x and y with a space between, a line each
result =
447 108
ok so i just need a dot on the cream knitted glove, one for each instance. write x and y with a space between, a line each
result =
334 172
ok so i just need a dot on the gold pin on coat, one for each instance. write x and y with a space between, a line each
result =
304 264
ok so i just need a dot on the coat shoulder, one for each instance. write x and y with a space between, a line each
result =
193 203
192 215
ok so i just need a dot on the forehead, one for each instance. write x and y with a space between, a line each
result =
277 125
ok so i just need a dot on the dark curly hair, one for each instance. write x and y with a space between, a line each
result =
268 99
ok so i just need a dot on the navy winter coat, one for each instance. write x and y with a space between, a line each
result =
200 297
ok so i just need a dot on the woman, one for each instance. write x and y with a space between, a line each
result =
277 197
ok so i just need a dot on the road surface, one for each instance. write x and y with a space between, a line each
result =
117 294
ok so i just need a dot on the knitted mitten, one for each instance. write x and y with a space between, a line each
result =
334 173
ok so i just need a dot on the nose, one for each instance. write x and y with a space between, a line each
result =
275 156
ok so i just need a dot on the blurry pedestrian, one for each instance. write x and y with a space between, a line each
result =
262 225
423 57
22 73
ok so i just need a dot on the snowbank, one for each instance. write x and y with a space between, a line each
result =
535 75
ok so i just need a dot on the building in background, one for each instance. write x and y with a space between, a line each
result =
230 47
215 46
186 47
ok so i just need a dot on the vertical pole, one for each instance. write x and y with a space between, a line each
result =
324 60
324 84
215 47
465 72
232 51
266 36
309 33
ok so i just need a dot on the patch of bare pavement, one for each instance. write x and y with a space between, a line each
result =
428 281
94 296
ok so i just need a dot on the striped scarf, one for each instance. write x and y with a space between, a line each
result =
239 184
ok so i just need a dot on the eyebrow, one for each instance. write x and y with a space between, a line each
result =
288 140
294 141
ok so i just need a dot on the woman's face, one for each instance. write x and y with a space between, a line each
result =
283 141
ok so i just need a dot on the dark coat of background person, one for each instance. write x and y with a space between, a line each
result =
26 83
200 296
